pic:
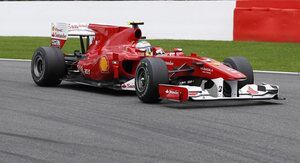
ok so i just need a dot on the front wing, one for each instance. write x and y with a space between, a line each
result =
184 93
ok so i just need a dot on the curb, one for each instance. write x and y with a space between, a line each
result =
256 71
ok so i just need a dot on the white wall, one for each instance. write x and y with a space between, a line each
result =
205 20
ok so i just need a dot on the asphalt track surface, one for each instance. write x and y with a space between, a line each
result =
76 123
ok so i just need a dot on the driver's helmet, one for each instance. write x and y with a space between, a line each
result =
144 46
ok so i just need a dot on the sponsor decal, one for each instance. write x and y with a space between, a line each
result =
77 26
128 85
103 64
186 82
79 29
59 31
84 71
172 92
193 93
55 29
169 63
79 67
251 91
206 70
59 35
232 70
87 71
55 43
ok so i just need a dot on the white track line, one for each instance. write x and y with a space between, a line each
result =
277 72
257 71
20 60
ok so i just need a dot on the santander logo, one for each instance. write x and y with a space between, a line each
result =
169 63
172 92
251 91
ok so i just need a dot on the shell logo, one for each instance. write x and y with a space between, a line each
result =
103 64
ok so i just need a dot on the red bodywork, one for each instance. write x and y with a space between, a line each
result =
113 55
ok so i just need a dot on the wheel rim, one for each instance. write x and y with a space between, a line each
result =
142 80
38 66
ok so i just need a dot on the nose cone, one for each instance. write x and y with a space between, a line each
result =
231 74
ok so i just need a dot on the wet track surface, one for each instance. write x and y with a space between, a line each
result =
76 123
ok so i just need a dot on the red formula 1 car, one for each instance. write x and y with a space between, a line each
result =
120 58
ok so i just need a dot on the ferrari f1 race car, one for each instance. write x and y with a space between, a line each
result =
120 58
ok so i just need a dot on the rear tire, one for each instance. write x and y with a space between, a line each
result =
47 66
242 65
149 74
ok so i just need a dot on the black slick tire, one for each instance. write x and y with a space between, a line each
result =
149 74
47 66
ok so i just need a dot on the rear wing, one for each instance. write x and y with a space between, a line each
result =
61 31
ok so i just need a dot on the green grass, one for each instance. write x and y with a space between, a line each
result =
263 56
23 47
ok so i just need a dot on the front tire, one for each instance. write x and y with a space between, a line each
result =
47 66
149 74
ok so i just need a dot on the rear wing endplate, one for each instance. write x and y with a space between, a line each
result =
61 31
